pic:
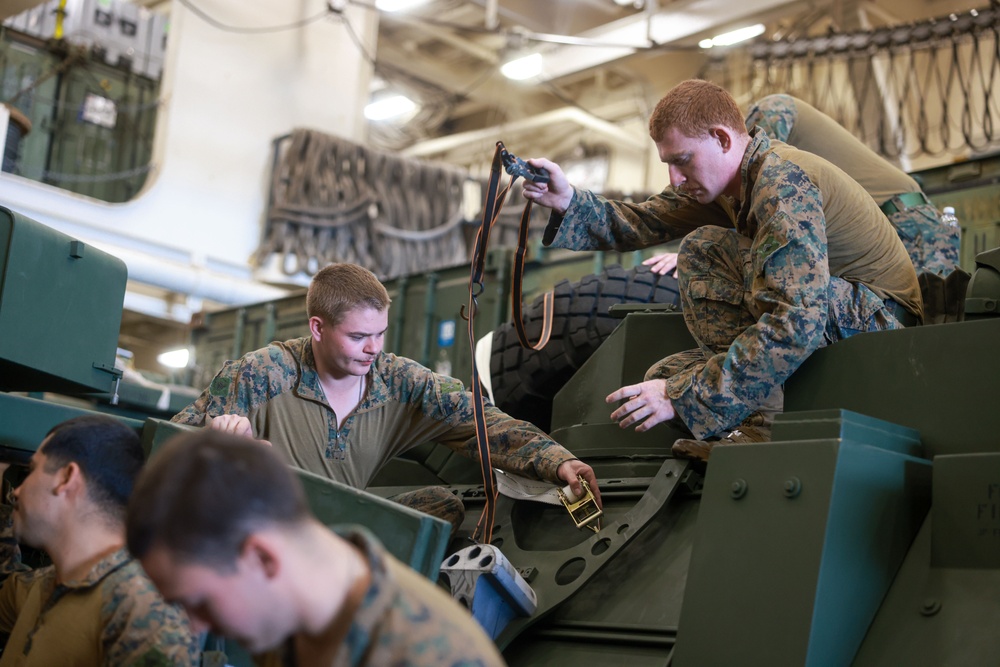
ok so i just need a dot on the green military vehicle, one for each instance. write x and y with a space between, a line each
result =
867 533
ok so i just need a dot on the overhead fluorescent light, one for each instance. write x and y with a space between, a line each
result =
175 358
523 68
733 37
389 107
398 5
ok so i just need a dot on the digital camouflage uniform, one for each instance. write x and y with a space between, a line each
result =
812 261
403 621
932 246
278 389
113 617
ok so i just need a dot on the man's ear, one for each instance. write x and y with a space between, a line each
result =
262 553
316 327
69 478
723 135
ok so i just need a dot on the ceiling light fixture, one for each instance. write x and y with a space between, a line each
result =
523 68
398 5
389 107
733 37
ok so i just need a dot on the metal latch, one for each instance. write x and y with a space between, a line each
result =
116 374
584 510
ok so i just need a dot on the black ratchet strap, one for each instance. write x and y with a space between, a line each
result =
495 197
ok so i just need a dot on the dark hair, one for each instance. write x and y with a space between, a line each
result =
203 493
109 455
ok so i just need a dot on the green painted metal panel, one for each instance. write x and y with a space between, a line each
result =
939 380
966 512
154 400
157 431
417 539
631 607
934 616
983 293
831 424
588 646
24 421
642 339
60 309
797 543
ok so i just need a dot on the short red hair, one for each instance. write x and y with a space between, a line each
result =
693 107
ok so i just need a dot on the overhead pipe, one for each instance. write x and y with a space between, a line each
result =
153 263
191 280
563 115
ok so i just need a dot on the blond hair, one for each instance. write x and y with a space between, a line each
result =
337 289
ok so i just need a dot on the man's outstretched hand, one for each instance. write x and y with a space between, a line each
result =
235 424
556 194
645 405
662 264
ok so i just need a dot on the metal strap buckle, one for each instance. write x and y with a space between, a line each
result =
584 511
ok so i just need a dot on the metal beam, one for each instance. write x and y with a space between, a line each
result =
564 115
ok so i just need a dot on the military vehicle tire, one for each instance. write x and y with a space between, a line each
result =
525 381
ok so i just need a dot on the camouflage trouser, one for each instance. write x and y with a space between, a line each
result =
932 247
436 501
715 276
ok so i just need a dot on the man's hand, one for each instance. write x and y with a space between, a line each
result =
235 424
556 194
644 401
568 472
662 264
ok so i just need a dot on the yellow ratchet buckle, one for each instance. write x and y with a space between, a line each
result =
584 511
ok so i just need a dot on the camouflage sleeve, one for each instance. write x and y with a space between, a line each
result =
776 114
140 629
10 552
515 446
12 592
790 288
225 395
594 223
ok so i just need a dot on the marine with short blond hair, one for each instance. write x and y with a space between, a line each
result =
341 407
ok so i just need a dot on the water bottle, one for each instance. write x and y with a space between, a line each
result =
948 218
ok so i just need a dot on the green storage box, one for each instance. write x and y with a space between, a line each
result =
60 309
